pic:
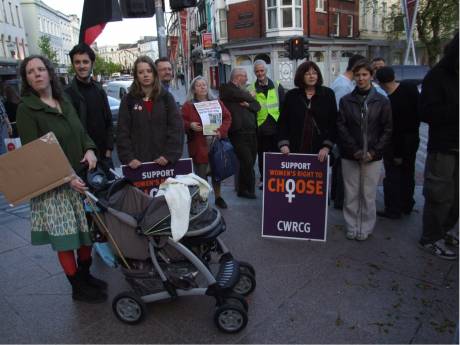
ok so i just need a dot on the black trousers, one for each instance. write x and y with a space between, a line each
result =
399 184
337 188
440 213
265 143
245 146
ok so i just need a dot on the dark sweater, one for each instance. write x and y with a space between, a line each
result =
244 119
90 102
406 120
439 105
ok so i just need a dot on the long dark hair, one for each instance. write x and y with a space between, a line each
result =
299 79
26 89
136 89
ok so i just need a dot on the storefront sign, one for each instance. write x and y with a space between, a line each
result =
295 197
149 176
206 40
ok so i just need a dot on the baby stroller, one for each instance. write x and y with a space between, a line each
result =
138 227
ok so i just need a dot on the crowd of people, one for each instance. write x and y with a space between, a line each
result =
364 120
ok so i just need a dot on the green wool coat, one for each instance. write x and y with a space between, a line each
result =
35 118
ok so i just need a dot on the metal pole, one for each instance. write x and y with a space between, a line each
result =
161 29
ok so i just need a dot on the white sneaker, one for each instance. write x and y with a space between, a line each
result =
350 235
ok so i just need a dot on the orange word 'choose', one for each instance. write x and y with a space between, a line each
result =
302 186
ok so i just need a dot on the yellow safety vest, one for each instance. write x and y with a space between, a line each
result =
268 105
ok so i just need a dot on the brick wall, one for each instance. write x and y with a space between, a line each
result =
244 20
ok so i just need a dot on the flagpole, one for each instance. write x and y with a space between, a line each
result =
161 29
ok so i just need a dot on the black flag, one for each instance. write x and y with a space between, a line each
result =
97 13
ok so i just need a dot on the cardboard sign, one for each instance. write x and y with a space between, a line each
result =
295 197
34 169
150 175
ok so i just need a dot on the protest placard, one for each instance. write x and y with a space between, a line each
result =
150 175
211 116
295 197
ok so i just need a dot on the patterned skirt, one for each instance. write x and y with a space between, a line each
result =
58 218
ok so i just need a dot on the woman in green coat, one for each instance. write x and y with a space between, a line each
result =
57 216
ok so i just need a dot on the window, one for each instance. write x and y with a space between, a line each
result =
384 15
4 11
336 25
11 13
289 12
374 15
17 15
320 6
223 23
350 25
364 14
272 18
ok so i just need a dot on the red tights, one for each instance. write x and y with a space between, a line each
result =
67 259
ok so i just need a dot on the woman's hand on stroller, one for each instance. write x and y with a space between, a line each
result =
134 164
78 185
90 159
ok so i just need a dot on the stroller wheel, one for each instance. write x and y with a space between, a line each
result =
246 284
128 307
230 318
247 267
236 299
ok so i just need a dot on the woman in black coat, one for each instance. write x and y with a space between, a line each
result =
308 118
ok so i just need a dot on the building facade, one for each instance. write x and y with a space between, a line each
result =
13 40
244 31
42 20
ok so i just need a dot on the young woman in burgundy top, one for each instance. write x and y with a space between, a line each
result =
150 128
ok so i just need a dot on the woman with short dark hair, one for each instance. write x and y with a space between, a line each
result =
308 118
364 131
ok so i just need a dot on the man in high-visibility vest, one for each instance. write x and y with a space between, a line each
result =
270 96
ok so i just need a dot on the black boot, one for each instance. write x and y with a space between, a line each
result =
83 292
83 269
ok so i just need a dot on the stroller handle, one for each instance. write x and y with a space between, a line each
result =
121 216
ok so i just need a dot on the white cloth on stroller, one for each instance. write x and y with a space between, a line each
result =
177 195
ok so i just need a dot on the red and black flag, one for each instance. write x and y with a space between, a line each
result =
97 13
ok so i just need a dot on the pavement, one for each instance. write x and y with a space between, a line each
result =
383 290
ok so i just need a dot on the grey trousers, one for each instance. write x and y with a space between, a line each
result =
440 189
360 186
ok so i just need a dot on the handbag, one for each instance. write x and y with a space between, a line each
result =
12 144
222 159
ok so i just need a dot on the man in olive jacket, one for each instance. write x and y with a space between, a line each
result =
243 131
90 102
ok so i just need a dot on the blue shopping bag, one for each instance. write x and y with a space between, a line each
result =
222 159
105 252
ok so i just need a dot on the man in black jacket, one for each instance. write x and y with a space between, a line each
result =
90 102
243 131
399 160
439 108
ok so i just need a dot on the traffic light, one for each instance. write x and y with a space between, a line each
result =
177 5
296 48
137 8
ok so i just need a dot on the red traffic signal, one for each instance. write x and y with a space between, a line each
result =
296 48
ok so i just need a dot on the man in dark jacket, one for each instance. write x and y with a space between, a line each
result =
243 131
439 108
90 102
399 160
